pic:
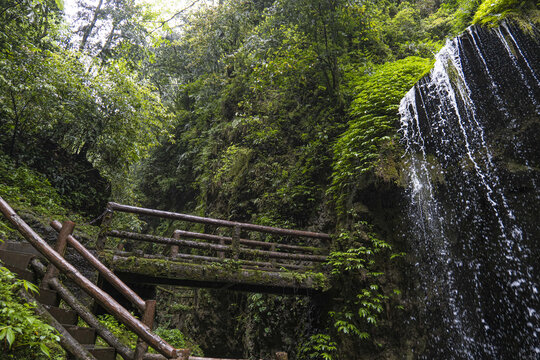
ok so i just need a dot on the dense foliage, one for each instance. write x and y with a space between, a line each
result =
22 334
52 98
277 112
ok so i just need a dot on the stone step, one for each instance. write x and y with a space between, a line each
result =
84 335
23 274
48 297
19 246
15 258
64 317
99 352
103 353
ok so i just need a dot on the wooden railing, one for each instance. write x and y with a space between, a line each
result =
58 263
256 254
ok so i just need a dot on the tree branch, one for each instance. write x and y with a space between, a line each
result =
175 15
88 31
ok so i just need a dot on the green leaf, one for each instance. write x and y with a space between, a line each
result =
44 349
60 4
29 287
3 333
10 336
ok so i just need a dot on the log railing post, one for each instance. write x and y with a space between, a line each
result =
103 270
147 319
281 356
221 254
222 242
104 299
236 242
182 354
175 248
273 260
105 223
60 248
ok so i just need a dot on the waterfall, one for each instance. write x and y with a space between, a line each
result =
471 130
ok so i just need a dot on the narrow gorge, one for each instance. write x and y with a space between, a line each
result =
260 179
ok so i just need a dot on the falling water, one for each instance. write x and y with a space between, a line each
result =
471 129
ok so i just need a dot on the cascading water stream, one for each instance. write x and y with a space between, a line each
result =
473 170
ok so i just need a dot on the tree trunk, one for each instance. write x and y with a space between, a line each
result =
90 27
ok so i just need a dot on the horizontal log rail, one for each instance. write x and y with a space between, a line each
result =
194 235
103 270
208 246
212 259
149 356
216 222
104 299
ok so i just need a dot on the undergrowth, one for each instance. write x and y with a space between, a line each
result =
23 335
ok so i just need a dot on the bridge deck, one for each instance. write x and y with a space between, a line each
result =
134 268
222 254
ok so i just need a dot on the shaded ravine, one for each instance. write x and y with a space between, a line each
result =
472 133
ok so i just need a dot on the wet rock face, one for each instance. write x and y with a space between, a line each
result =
472 132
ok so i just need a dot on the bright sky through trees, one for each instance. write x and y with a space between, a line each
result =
166 8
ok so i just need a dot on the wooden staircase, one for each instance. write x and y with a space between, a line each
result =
16 256
236 262
79 342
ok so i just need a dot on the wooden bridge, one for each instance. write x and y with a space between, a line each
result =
267 259
212 260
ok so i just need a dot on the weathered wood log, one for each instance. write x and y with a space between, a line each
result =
105 223
207 246
273 261
216 222
65 230
103 270
242 263
148 319
235 245
91 320
226 239
83 312
160 357
90 288
221 254
155 271
205 358
66 340
281 356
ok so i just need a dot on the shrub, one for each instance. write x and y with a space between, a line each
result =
23 335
